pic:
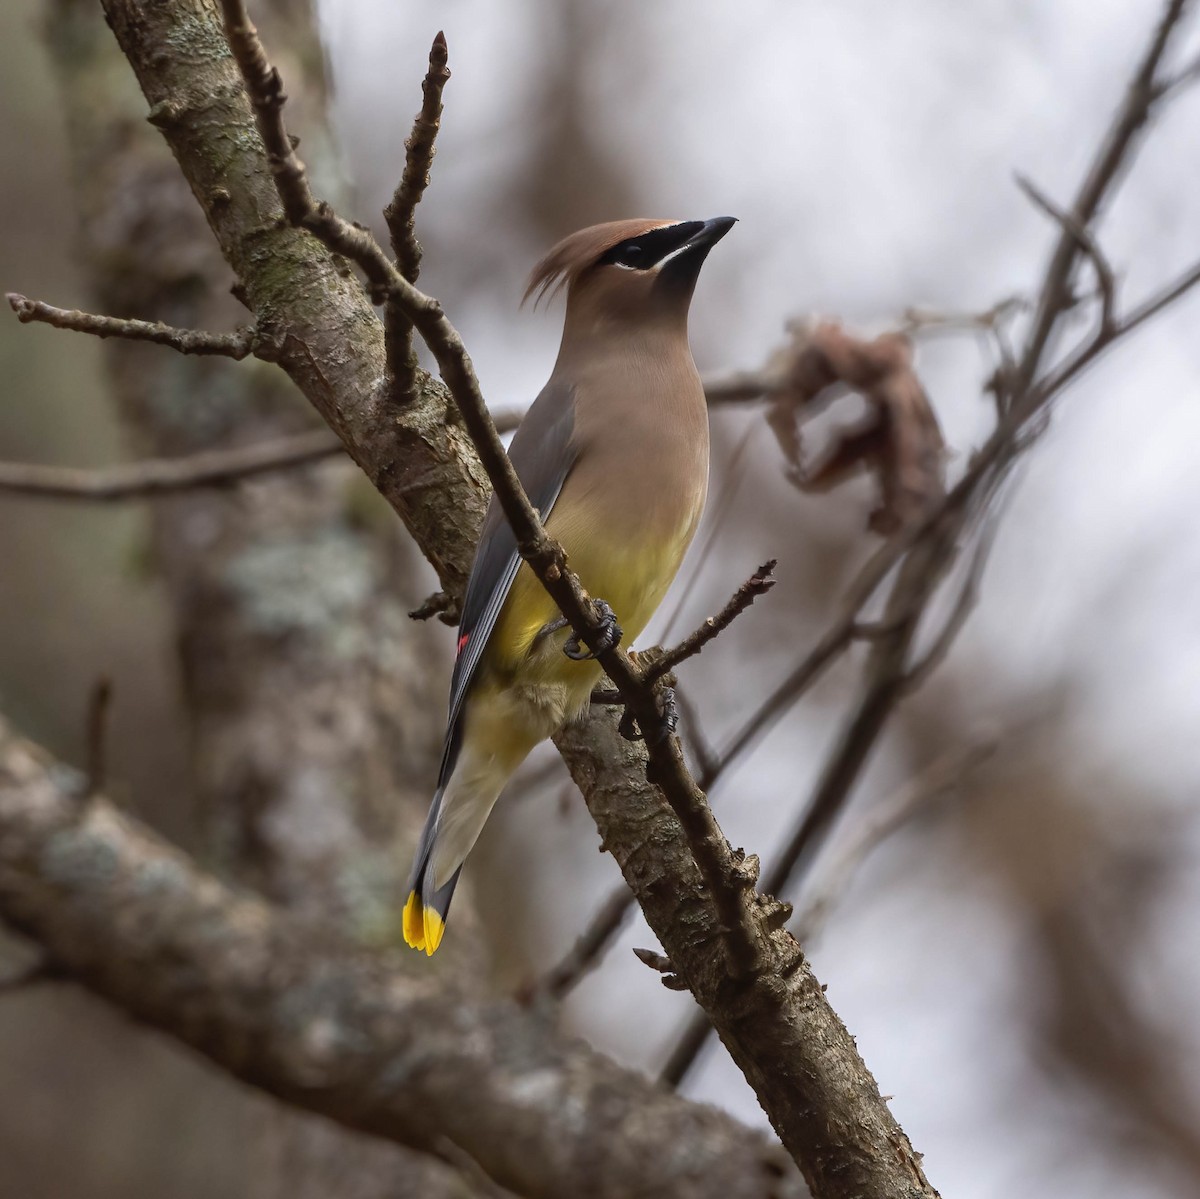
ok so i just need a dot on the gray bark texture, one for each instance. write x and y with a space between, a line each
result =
339 1031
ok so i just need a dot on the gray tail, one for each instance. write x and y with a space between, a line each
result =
427 907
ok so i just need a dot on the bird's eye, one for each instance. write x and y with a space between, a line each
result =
631 255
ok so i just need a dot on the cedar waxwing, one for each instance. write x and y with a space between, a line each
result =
614 456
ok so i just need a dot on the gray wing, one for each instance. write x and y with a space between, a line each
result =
542 455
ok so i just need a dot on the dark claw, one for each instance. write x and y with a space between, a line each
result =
669 711
559 622
610 635
668 719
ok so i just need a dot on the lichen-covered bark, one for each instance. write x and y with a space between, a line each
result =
339 1031
313 317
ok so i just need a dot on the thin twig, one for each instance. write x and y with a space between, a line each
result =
714 519
1130 119
400 216
664 661
585 955
1087 242
943 775
1157 302
964 604
164 476
99 703
440 604
237 345
1181 79
693 733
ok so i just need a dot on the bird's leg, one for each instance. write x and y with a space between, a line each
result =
669 712
628 728
668 722
610 635
552 626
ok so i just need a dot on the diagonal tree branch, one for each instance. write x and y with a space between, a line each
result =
400 215
236 345
758 584
343 1032
165 476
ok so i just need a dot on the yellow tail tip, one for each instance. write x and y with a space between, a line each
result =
423 927
435 926
414 925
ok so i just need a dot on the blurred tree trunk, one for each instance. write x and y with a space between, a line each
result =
306 687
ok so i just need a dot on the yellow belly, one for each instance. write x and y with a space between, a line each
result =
632 580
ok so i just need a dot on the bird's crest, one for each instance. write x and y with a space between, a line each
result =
573 255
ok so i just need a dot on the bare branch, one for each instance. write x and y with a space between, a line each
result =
943 775
99 703
440 604
164 476
1083 236
400 216
1130 119
419 152
964 604
236 345
588 951
659 663
334 1029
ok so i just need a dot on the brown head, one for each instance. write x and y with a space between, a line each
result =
635 271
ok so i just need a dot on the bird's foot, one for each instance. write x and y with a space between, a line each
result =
668 722
668 710
552 626
610 635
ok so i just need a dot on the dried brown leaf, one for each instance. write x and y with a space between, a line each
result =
900 441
